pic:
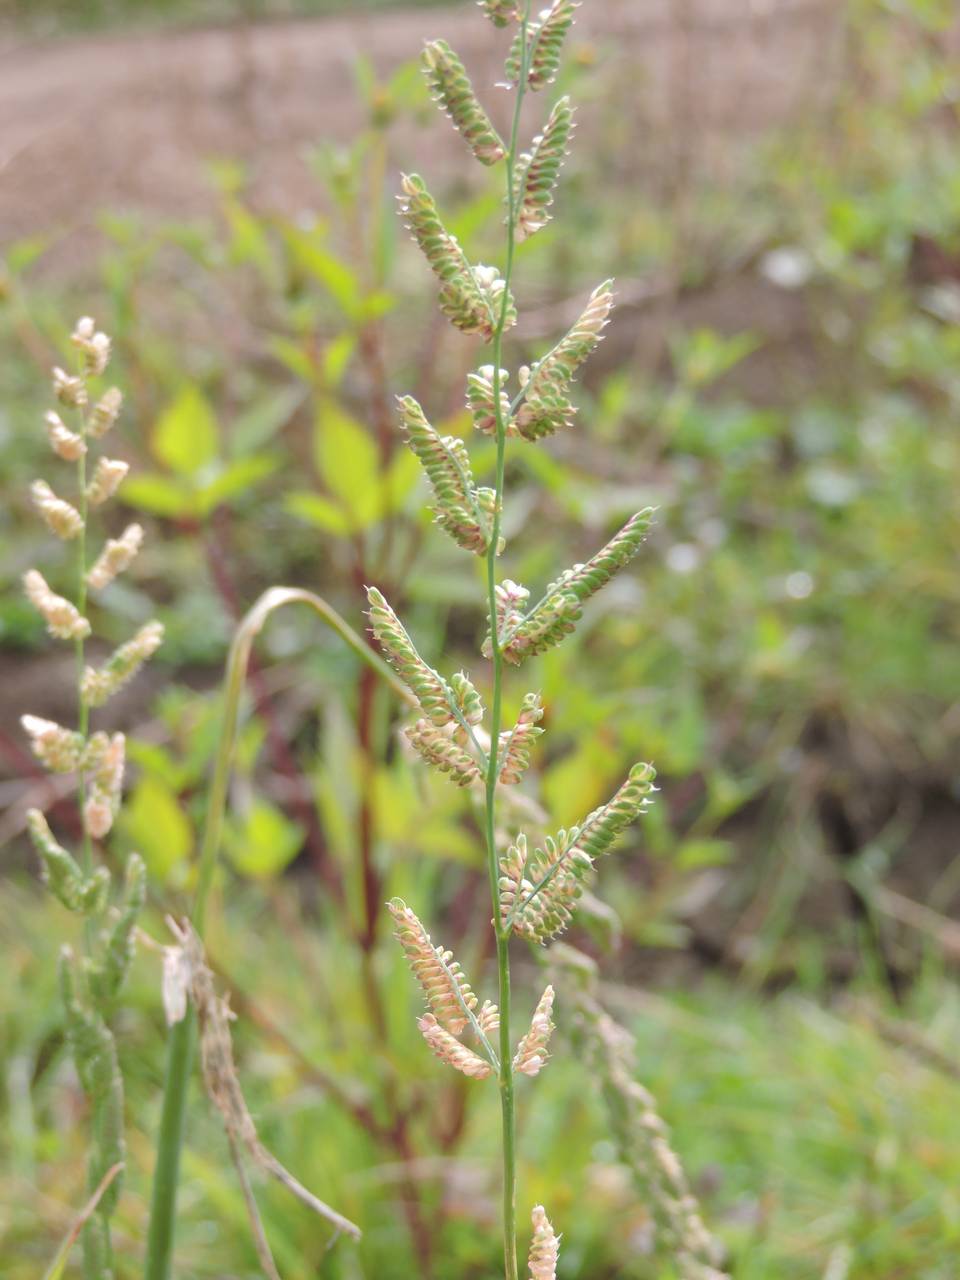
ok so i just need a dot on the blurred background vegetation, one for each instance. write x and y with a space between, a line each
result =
777 189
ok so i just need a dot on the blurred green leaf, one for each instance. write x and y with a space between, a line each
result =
159 494
186 436
318 511
347 461
264 843
154 823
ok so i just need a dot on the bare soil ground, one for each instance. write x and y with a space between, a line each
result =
130 123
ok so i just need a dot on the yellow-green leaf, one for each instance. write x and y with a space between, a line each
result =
154 823
347 461
185 436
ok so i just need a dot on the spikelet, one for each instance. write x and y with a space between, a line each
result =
446 989
93 345
61 750
488 1019
431 690
450 87
501 12
539 893
105 760
77 892
65 444
538 170
105 413
59 516
466 698
481 403
546 407
106 480
531 1055
64 621
544 42
69 390
556 615
437 747
469 296
97 686
544 1247
107 975
516 743
116 556
450 1050
461 509
491 284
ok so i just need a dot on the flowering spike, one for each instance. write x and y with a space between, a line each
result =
105 413
437 747
501 12
466 697
106 480
108 974
77 892
104 759
516 744
65 444
531 1055
431 690
460 508
450 87
450 1050
469 296
538 170
116 556
544 888
61 750
59 516
544 1247
481 403
69 390
64 621
447 991
97 686
488 1019
546 405
93 346
556 615
544 41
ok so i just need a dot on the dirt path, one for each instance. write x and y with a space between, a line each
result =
130 123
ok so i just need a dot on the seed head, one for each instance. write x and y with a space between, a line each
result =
450 1050
59 516
60 749
68 389
531 1053
106 480
65 443
544 1248
97 686
105 412
63 619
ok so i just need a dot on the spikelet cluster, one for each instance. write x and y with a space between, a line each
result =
60 516
104 413
447 991
482 403
116 556
65 444
546 406
60 750
99 684
539 892
431 690
544 1247
538 170
104 762
531 1055
451 1050
462 510
106 480
470 297
93 345
76 891
556 615
438 747
517 743
450 86
545 39
501 12
644 1142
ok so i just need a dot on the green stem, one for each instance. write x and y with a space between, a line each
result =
182 1037
507 1104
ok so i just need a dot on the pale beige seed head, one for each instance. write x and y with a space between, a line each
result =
95 346
59 516
68 389
450 1050
531 1055
63 619
106 480
65 444
115 557
105 412
544 1248
58 748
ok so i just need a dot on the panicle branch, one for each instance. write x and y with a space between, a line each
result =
538 170
544 1248
450 87
447 991
531 1055
544 44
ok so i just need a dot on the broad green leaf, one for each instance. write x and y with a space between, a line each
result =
162 495
266 417
154 823
318 511
347 461
265 843
185 436
236 478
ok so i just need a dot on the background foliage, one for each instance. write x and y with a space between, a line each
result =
782 383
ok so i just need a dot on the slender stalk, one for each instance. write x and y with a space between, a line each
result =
507 1103
182 1036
